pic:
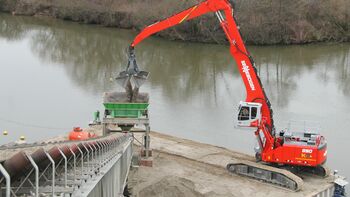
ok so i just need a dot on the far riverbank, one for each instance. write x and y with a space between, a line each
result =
261 22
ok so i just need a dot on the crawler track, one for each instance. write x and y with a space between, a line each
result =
272 175
321 170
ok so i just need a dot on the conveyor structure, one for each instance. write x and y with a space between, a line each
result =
97 167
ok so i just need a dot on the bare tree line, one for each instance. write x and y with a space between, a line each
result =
261 21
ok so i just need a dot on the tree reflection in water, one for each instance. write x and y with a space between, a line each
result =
91 55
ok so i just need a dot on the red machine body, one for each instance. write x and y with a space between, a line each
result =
305 148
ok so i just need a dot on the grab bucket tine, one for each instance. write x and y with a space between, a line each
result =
140 78
123 79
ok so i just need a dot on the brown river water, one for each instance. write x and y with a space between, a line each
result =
53 74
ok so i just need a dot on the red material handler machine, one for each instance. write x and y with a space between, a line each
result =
285 149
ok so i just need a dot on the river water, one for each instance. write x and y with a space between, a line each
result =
53 74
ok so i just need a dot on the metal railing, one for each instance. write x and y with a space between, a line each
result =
71 169
302 126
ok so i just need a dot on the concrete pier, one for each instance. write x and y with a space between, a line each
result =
187 168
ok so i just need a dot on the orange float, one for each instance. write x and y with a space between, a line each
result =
78 134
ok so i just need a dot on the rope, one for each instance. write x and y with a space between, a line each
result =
31 125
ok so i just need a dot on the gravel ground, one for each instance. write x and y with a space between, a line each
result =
187 168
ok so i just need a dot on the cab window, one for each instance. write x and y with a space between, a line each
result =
253 112
243 113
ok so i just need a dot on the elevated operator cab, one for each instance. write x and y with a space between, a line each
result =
249 114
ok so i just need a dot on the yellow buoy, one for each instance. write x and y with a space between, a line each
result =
22 138
5 133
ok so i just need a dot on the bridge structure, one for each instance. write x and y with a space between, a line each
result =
96 167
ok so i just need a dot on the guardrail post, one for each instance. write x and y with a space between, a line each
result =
104 151
65 167
99 154
53 173
74 164
88 157
8 180
82 164
36 175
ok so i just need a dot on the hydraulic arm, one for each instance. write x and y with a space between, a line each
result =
254 91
